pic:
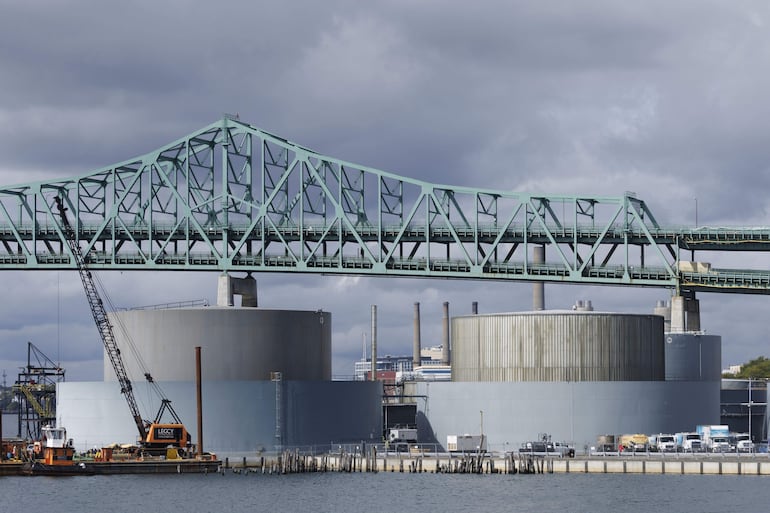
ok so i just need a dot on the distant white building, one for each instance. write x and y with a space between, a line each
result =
401 368
434 371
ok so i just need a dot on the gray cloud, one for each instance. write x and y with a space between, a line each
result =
597 98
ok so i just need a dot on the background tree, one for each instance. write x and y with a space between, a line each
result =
757 368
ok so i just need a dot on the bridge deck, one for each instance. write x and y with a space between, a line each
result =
231 197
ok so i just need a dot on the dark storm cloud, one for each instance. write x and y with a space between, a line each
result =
86 84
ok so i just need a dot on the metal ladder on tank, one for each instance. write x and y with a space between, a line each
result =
277 378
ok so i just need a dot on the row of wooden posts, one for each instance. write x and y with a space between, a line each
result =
294 462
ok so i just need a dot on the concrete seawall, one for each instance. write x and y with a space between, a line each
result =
749 467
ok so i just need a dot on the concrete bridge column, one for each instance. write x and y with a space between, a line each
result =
227 287
538 288
685 312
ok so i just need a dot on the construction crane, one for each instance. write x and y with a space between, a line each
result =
154 437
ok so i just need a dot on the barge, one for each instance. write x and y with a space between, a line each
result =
59 460
90 468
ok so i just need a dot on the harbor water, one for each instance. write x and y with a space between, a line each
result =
388 492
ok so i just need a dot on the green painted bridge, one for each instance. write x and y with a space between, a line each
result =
233 198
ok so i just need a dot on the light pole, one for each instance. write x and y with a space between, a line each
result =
696 212
750 405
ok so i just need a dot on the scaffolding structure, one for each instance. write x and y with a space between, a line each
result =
35 391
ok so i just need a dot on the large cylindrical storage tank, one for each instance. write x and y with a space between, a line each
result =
558 346
237 343
693 357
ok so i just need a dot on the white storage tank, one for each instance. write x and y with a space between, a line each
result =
238 343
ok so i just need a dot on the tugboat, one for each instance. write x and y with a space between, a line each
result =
58 453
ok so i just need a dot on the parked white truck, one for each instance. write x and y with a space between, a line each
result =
715 437
663 442
689 442
741 442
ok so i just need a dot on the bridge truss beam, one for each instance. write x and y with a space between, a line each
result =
231 197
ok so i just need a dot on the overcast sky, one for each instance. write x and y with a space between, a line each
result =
666 99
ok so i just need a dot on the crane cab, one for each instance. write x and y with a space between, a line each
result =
161 436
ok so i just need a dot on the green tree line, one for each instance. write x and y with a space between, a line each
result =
757 368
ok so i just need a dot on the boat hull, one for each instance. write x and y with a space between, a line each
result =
86 468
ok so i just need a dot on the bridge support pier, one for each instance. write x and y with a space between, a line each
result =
685 312
227 287
538 288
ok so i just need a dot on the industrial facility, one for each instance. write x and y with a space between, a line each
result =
575 374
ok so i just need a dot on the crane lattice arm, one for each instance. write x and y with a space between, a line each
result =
102 322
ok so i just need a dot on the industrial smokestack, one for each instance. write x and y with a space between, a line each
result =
475 308
538 288
445 347
374 343
416 357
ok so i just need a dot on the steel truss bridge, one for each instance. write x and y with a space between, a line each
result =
233 198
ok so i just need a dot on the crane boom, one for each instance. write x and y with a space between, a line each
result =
102 322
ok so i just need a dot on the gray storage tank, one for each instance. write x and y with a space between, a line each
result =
558 346
693 356
573 374
238 343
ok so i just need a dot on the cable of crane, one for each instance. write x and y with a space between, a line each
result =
156 388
